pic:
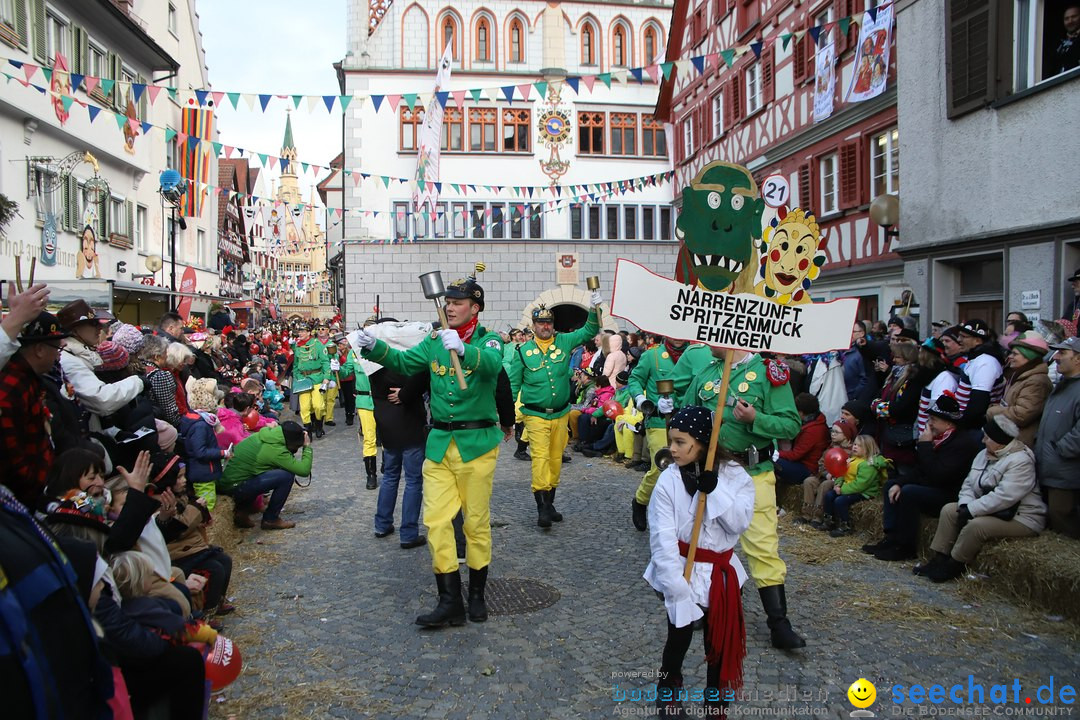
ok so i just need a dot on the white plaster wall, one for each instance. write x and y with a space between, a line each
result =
988 171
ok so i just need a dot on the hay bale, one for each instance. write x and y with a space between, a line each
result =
1042 573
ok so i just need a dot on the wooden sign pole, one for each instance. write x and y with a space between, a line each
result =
710 459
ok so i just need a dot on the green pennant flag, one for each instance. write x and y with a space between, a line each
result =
107 86
234 98
785 40
47 72
297 99
666 69
262 158
121 120
410 100
169 135
172 91
217 148
475 92
606 79
844 23
385 180
729 56
67 101
304 166
541 87
345 100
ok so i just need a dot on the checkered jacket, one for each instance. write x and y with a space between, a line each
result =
25 442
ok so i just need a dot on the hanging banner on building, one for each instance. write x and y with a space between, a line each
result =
428 144
187 287
824 81
730 320
872 56
197 124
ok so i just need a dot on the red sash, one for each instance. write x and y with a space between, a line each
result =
726 640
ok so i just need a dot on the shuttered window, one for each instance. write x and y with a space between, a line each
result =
850 175
800 58
969 54
806 189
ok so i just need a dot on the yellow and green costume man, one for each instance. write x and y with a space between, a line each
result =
540 372
330 396
311 368
365 409
763 385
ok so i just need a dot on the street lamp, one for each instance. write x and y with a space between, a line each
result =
885 211
172 189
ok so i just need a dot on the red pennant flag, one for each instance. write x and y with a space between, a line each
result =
393 100
589 81
654 72
181 138
153 91
459 98
524 90
355 178
29 70
229 151
217 98
91 83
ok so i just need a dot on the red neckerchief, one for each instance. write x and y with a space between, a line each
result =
302 344
675 353
944 436
465 332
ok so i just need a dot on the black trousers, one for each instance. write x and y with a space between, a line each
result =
217 565
675 649
177 676
347 395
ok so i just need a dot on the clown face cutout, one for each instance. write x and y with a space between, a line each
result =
720 220
792 253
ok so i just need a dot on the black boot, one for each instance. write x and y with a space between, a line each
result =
521 448
556 516
566 459
451 607
349 419
639 517
931 565
948 569
774 600
477 606
330 421
372 478
317 425
668 702
543 512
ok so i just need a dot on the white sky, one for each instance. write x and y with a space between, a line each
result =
276 47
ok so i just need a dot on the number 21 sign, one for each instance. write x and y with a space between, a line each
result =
775 191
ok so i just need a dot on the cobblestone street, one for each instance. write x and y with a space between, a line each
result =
326 611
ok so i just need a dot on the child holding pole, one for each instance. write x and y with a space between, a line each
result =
713 589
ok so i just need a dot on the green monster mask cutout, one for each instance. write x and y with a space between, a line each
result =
718 226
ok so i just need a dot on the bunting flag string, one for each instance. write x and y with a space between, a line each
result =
511 93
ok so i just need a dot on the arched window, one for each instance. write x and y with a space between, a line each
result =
651 45
450 34
517 40
618 46
483 40
588 45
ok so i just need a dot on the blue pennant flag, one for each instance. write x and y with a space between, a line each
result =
147 127
76 81
442 97
328 100
873 13
93 110
16 63
508 92
376 100
699 63
137 90
264 100
200 95
573 83
193 142
637 72
756 47
815 33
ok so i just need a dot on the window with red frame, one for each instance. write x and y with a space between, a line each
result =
411 120
623 133
483 41
453 133
651 45
618 45
653 139
591 133
588 44
517 49
482 122
517 124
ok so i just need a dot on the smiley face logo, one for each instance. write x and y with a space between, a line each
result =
862 693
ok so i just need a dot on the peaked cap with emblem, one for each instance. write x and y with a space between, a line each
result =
43 328
77 312
543 314
467 288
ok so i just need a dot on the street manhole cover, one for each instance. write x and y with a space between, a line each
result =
514 596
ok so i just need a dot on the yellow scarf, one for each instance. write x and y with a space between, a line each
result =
544 345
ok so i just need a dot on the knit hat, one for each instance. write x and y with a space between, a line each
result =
947 407
164 472
1001 429
166 435
623 377
204 395
1030 344
128 337
694 421
857 409
934 346
293 433
849 430
113 356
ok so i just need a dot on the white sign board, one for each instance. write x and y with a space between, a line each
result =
1030 299
740 321
775 191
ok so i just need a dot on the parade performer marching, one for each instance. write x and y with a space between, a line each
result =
357 387
540 371
759 410
717 575
311 375
330 391
462 446
656 363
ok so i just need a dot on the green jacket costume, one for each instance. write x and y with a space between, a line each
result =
311 362
480 364
654 364
265 450
544 379
777 418
509 350
868 477
363 384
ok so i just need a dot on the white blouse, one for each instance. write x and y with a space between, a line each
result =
728 510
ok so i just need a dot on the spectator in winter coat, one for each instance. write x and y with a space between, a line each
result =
801 461
1057 447
1000 498
898 407
162 383
198 429
80 358
266 462
857 371
983 384
1027 385
401 418
945 452
932 355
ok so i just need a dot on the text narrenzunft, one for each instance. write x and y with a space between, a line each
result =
741 321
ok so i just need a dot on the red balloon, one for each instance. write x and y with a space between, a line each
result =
836 461
223 663
251 419
612 409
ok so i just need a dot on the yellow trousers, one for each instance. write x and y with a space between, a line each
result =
655 439
760 542
450 486
367 431
311 404
328 404
547 441
624 438
572 420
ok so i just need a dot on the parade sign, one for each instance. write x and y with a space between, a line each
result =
729 320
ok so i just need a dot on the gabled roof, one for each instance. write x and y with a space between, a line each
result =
676 33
